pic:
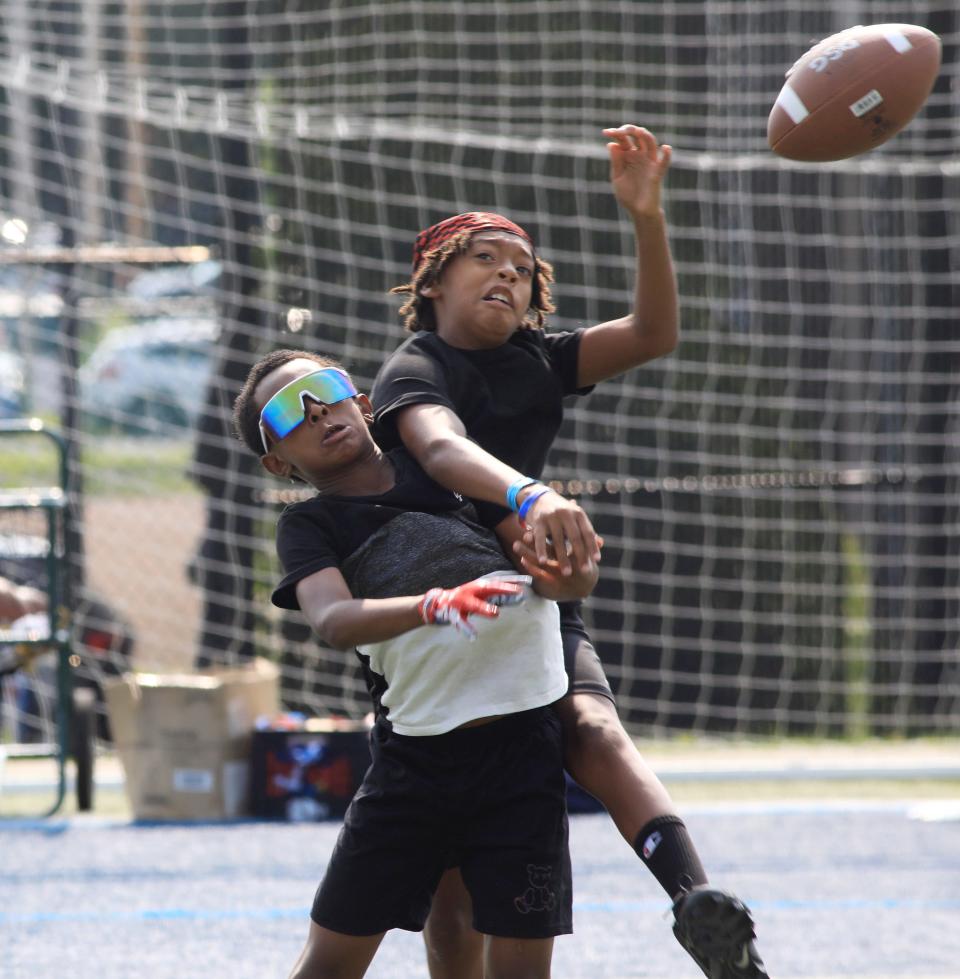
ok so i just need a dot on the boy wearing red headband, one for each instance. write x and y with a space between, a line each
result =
476 396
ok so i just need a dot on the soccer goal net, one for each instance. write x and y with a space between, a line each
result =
779 497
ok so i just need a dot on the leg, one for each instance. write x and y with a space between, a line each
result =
713 926
454 948
602 757
517 958
331 955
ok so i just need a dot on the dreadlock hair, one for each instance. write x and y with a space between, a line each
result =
417 311
246 411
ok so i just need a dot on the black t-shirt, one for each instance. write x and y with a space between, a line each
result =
434 541
414 537
510 398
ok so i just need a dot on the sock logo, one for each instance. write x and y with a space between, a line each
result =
651 843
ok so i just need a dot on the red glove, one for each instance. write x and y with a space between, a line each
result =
483 596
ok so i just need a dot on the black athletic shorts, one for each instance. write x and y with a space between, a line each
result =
581 661
492 796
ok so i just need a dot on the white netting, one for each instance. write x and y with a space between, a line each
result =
778 496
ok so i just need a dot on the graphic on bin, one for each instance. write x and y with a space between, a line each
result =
307 774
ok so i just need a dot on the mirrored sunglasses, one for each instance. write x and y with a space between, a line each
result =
287 408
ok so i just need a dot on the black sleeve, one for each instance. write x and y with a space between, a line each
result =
410 376
303 548
563 351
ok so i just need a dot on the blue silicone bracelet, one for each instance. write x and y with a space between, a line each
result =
522 483
530 500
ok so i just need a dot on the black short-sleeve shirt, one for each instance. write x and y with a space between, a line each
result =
510 398
448 545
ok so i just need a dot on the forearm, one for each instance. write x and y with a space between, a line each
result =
459 464
655 317
359 621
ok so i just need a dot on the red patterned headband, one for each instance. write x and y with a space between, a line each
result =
471 221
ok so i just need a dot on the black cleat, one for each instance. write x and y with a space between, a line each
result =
717 930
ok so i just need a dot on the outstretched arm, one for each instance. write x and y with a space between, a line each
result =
638 165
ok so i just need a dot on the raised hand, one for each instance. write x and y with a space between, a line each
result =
637 167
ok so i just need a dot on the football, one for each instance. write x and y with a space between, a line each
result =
853 91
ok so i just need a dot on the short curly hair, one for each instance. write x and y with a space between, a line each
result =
417 310
246 411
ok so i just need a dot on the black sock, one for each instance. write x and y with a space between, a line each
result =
664 845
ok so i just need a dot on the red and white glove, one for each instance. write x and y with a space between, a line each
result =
483 596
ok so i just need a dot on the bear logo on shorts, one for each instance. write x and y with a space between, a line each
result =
538 896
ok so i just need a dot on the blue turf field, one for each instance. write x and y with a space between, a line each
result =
838 890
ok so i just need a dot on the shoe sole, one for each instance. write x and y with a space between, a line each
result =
713 925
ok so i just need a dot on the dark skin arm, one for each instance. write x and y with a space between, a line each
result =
651 329
343 621
437 439
436 436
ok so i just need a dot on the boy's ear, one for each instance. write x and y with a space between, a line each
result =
366 408
276 466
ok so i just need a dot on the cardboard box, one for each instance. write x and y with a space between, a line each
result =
184 739
310 772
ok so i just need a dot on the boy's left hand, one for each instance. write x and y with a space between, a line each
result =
637 167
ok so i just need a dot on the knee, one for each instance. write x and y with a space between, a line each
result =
592 725
448 926
454 948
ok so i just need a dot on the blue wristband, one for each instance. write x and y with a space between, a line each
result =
530 500
522 483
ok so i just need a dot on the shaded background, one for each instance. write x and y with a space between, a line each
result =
778 497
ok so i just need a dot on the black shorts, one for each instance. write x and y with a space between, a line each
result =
492 797
580 659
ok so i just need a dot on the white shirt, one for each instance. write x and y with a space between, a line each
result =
437 679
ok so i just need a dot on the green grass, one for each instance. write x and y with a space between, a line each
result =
138 467
111 466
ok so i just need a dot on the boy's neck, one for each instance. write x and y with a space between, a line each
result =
370 476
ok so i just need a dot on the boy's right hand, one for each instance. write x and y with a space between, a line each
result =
562 531
483 596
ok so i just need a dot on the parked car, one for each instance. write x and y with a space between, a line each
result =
199 279
149 379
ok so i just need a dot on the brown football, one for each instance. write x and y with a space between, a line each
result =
853 91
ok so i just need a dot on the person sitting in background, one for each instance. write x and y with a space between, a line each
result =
19 600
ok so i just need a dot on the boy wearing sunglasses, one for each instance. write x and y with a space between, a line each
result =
466 756
476 396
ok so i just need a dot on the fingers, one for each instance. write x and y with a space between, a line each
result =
631 137
483 596
635 143
509 578
477 606
561 528
464 626
567 538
